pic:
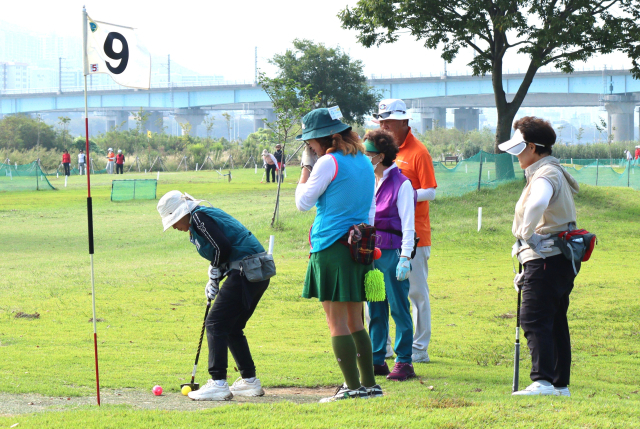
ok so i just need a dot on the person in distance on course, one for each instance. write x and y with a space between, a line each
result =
545 207
120 162
340 185
110 160
270 165
395 210
66 162
414 161
223 241
279 156
82 163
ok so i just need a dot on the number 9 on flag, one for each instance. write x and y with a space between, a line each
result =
116 50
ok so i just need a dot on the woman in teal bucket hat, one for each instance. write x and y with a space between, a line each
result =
340 184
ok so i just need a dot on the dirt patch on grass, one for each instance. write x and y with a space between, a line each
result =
13 404
22 315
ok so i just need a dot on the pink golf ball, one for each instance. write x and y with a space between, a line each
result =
157 390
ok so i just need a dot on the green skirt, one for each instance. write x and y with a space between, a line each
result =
333 276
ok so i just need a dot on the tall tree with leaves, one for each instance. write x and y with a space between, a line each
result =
548 32
331 73
290 103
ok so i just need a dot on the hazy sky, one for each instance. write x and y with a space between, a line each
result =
219 37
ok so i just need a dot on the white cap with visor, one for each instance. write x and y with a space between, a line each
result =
516 144
174 205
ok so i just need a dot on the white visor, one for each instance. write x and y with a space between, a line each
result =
515 145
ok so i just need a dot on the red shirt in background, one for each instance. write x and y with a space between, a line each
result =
120 159
637 153
66 158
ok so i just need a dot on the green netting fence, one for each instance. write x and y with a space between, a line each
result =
27 177
135 189
74 171
487 170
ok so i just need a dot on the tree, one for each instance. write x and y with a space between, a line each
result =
548 32
63 121
290 103
209 122
227 116
332 74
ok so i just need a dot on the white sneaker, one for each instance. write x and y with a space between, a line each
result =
420 356
343 392
242 387
389 353
561 391
536 388
212 392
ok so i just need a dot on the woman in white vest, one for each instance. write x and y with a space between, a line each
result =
545 208
340 184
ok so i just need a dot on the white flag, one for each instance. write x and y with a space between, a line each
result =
115 50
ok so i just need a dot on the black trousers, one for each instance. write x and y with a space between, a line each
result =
67 171
543 316
271 168
234 305
119 168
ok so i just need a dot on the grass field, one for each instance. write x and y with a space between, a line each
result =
150 302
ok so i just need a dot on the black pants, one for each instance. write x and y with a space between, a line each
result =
119 168
543 315
67 171
271 168
234 305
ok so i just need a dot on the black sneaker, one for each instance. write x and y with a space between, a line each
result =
381 369
375 391
343 392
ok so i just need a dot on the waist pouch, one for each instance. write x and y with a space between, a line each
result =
416 239
361 241
258 267
576 245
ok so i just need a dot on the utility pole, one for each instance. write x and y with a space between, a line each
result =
255 77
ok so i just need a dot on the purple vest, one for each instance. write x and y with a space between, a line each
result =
387 217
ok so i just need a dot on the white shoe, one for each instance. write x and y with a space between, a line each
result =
536 388
343 392
212 392
561 391
420 356
242 387
389 353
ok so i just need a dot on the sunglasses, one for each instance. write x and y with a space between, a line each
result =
385 115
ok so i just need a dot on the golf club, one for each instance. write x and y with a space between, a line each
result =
516 359
192 385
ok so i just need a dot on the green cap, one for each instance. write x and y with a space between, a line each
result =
318 123
370 147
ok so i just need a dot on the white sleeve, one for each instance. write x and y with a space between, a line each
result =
275 161
406 210
426 194
322 174
537 203
372 210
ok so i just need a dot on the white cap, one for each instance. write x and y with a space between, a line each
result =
110 149
391 108
119 150
174 205
265 152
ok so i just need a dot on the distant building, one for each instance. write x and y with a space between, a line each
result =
13 76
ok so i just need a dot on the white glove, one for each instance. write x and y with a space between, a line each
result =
213 286
309 158
212 289
539 244
403 269
518 281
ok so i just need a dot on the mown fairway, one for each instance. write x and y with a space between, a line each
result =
150 299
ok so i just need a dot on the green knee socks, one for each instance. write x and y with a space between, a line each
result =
344 349
365 357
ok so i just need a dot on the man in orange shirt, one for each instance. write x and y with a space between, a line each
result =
415 162
111 157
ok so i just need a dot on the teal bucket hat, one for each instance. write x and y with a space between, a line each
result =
318 123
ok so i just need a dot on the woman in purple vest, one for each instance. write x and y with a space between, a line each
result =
395 210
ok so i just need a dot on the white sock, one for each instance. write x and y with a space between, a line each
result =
220 382
250 380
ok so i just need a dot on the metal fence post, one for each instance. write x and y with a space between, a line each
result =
629 174
480 173
597 170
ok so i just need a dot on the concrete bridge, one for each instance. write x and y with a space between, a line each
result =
430 96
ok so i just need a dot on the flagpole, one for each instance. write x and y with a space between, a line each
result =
89 203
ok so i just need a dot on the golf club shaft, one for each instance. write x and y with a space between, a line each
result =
195 365
516 358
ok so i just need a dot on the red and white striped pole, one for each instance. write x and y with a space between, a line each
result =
89 204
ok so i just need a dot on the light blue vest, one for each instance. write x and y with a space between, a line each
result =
345 202
243 243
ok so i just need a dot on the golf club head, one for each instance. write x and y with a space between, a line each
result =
193 386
